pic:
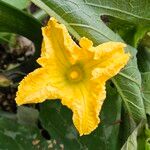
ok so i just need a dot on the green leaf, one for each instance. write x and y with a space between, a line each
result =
127 126
27 116
20 4
146 90
6 37
140 34
57 120
131 11
146 40
132 143
15 21
143 57
133 34
79 23
124 28
128 84
147 139
40 14
19 137
147 145
127 10
82 20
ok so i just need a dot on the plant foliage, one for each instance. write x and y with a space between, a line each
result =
125 113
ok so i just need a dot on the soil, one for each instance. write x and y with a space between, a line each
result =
9 59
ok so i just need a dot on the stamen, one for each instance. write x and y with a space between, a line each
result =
74 74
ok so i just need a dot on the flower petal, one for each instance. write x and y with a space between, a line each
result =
57 43
85 43
110 58
85 101
85 54
37 86
86 107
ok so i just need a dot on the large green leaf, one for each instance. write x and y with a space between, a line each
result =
16 21
133 34
143 57
27 116
132 141
127 10
75 17
122 27
127 126
139 138
81 20
57 119
14 136
128 84
133 11
40 15
146 90
147 137
21 4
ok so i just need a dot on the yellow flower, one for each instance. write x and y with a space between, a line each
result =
75 74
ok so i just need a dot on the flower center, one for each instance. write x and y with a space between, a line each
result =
75 73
